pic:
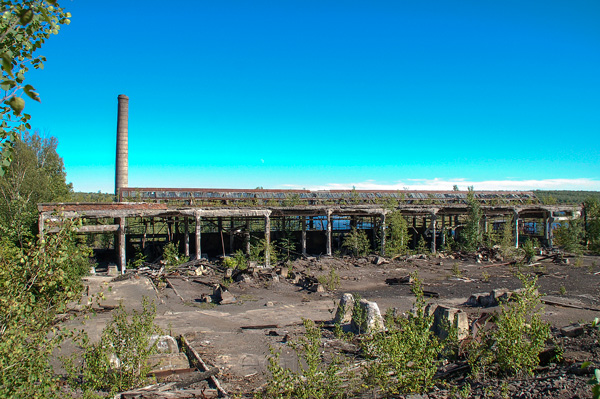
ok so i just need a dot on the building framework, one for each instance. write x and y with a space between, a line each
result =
203 221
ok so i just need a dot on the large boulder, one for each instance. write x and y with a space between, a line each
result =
369 319
343 314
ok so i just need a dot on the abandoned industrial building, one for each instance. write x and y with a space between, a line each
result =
210 222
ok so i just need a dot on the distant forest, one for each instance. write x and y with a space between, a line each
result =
546 196
565 196
79 196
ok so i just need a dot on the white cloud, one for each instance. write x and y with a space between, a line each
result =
447 184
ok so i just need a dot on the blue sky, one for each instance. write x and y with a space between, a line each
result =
327 94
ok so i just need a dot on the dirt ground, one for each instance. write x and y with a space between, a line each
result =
269 309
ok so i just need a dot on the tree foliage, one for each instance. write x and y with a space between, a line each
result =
514 344
569 236
592 223
397 234
36 283
471 235
35 175
357 242
405 358
24 27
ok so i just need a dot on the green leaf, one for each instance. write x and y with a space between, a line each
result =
7 84
17 104
6 63
30 91
585 365
26 16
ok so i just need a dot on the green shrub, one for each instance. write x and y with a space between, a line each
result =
171 256
519 336
471 235
357 242
397 234
287 248
138 261
36 284
405 358
118 362
529 249
258 251
570 235
230 262
314 379
507 242
422 246
330 281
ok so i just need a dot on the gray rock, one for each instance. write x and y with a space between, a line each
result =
222 296
343 314
168 361
164 343
371 322
573 330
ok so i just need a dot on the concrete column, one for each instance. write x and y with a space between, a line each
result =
433 233
516 216
414 237
231 235
329 232
186 237
267 241
548 229
198 237
551 233
382 251
444 231
145 233
121 240
303 235
247 237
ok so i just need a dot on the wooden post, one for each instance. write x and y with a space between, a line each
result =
303 235
433 234
121 245
231 235
198 237
169 230
382 251
329 232
247 237
186 237
516 215
548 229
267 241
443 231
145 232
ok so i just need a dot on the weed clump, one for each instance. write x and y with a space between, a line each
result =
405 358
519 336
314 378
117 362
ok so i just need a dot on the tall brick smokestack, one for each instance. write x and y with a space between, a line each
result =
122 164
